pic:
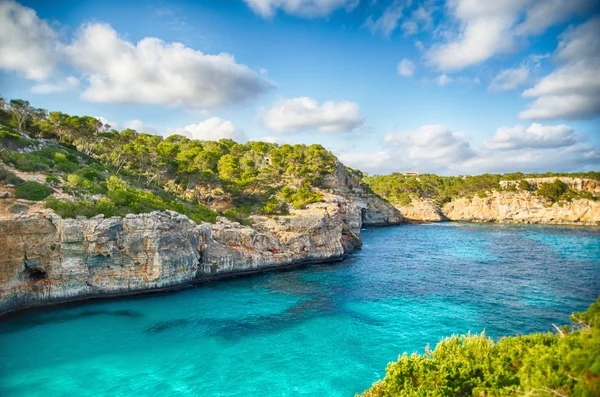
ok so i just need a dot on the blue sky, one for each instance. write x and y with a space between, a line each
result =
452 87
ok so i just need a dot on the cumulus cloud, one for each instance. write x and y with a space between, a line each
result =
572 91
211 129
153 71
484 29
29 45
139 126
433 143
47 88
301 8
437 149
510 79
536 136
306 114
406 68
388 21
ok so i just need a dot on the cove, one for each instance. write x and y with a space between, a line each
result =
320 330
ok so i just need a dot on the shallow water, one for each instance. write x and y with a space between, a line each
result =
322 330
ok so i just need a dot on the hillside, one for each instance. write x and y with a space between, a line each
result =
89 212
551 198
83 167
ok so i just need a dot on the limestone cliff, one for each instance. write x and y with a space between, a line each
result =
506 207
48 259
422 211
522 207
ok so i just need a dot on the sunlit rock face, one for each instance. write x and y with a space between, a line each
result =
523 207
519 206
47 259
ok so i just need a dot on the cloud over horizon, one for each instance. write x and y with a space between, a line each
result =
436 149
306 114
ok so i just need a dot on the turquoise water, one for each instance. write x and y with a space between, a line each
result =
322 330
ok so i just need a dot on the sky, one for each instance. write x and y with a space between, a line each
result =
445 86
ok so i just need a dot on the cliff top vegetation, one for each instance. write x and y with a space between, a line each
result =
402 189
95 169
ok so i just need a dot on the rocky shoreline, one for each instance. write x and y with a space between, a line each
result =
505 207
50 260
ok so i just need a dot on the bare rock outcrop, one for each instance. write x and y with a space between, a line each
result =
47 259
522 207
579 184
506 207
422 211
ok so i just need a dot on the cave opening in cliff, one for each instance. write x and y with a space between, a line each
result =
35 273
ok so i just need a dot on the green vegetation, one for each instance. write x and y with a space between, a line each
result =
85 158
402 189
32 190
563 364
9 178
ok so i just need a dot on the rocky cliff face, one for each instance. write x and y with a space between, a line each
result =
580 184
422 211
523 207
46 259
506 207
375 211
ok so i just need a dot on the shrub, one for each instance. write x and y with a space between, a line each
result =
32 190
52 179
474 365
524 185
553 190
9 178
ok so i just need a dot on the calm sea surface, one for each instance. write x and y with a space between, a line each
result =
322 330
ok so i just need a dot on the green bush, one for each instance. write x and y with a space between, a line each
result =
524 185
567 364
553 191
32 190
52 179
9 178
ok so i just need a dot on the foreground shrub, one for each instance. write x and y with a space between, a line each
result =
565 364
32 190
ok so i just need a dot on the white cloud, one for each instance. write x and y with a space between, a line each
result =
432 143
305 114
153 71
545 13
572 91
435 148
444 79
484 31
484 28
211 129
365 161
139 126
47 88
536 136
406 68
301 8
509 79
388 21
409 27
28 44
